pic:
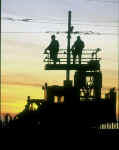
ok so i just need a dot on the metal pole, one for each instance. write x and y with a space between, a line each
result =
68 45
118 87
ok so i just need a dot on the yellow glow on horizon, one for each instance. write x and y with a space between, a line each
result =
14 97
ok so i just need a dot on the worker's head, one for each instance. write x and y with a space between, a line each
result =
78 38
53 37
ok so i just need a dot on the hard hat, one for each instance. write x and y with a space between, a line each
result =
53 36
78 37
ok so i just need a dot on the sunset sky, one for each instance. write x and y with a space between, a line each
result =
24 38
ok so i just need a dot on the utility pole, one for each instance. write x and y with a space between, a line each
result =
117 102
68 45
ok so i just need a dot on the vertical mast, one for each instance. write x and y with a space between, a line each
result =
68 45
117 102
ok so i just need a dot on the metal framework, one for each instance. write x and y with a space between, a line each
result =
88 77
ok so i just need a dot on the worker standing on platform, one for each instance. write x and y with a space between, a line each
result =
53 48
77 49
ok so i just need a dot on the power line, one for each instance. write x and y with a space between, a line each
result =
54 21
63 32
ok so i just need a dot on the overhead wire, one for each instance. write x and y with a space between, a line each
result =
54 21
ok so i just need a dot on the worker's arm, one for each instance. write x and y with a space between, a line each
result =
73 46
48 48
45 51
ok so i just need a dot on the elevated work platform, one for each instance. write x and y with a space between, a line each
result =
89 61
85 67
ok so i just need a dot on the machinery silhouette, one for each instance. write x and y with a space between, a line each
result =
76 103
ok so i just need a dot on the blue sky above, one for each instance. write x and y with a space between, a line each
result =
39 16
85 10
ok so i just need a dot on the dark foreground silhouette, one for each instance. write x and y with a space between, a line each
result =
56 117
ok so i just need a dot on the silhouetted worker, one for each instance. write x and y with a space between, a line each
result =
77 49
53 48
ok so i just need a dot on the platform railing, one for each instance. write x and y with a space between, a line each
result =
87 55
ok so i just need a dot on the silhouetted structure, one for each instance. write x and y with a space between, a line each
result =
77 103
83 99
1 124
7 121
